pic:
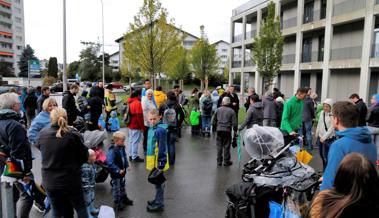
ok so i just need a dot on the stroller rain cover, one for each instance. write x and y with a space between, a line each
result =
94 138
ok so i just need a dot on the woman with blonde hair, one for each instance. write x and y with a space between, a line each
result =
42 120
63 153
354 193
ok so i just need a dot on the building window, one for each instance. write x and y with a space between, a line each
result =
224 50
19 38
18 20
18 29
18 10
19 47
18 1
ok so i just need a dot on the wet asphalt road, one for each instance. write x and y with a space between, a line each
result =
195 186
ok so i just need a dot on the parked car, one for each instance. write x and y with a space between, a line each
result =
6 88
58 87
237 88
135 86
117 85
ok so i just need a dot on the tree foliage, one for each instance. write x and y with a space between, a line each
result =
152 40
72 69
52 68
91 68
268 47
180 68
204 59
26 55
6 69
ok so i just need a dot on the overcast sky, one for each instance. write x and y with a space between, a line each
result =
43 22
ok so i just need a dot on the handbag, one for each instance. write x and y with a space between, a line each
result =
13 169
156 177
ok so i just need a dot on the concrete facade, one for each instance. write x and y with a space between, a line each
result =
331 46
12 32
114 61
222 48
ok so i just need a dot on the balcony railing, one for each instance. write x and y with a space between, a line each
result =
288 59
247 6
5 10
249 63
348 6
236 64
375 50
291 22
251 34
346 53
313 56
7 40
6 59
314 16
5 29
237 38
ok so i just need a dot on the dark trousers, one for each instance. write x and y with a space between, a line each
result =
223 142
171 140
145 139
63 202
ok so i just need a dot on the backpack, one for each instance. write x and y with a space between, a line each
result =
169 116
207 107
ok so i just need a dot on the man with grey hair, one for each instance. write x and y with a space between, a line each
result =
226 120
14 144
269 110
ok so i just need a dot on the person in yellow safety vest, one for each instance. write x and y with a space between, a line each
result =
110 103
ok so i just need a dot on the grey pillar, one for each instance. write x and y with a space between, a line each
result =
258 79
299 44
327 49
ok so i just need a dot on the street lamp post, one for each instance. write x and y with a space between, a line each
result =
102 28
64 76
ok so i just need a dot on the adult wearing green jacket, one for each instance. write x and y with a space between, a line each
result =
292 115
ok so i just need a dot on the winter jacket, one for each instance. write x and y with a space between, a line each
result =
375 138
30 104
308 110
82 104
193 102
147 106
182 99
68 103
156 154
247 101
96 106
201 101
117 160
88 177
40 101
279 113
114 124
22 98
62 158
225 119
136 114
13 140
233 99
373 116
292 115
178 109
350 140
97 91
215 98
42 120
143 96
321 131
253 116
269 108
159 97
362 110
110 101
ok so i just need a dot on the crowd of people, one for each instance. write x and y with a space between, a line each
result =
154 119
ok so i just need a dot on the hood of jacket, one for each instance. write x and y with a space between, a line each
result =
67 93
158 93
6 114
171 103
269 98
361 134
257 105
131 100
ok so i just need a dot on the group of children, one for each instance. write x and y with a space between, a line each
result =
117 165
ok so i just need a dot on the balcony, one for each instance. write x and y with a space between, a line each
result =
314 56
291 22
375 50
288 59
251 34
249 63
6 59
7 40
237 38
5 10
5 19
314 16
5 29
236 64
348 6
346 53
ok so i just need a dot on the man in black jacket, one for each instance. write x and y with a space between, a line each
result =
14 144
45 94
362 108
68 103
234 100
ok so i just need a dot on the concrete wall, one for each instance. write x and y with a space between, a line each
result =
343 83
286 83
289 13
347 41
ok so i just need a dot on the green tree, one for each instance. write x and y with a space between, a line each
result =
52 68
268 47
204 59
152 41
26 55
72 69
6 69
180 69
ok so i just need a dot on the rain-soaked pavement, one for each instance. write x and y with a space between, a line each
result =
195 186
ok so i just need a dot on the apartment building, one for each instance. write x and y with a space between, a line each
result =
12 32
331 46
222 48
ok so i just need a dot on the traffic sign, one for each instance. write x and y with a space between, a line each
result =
34 65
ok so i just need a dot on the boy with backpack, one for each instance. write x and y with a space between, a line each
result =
114 124
173 116
206 105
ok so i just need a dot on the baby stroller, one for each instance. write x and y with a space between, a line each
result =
94 140
274 183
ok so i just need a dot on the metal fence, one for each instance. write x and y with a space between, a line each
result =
313 56
249 63
237 38
314 16
348 6
236 64
346 53
288 59
251 34
291 22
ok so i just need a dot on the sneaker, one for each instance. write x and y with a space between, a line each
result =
154 208
138 159
127 201
219 164
229 163
151 202
130 158
120 207
39 207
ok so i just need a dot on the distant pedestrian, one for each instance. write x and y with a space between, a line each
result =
226 120
24 93
156 157
233 97
215 98
276 93
147 106
269 110
110 103
44 95
250 93
68 103
118 164
113 122
255 113
30 105
159 97
362 108
373 115
206 105
279 102
194 100
292 115
307 120
95 108
136 125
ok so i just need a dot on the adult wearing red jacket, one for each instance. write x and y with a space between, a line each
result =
136 126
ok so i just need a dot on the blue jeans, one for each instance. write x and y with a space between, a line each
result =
118 189
307 127
206 123
159 195
63 201
171 139
135 137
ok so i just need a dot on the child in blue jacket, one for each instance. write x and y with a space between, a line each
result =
114 124
118 164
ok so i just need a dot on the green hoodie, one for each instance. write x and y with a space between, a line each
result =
292 115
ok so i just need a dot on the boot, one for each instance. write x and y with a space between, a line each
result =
127 201
94 210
